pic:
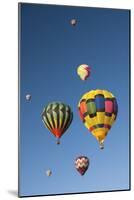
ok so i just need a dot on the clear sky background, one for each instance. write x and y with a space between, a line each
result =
51 49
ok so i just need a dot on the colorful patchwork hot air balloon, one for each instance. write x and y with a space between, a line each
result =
83 71
98 111
57 117
82 164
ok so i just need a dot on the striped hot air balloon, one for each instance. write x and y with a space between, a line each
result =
57 117
98 111
82 164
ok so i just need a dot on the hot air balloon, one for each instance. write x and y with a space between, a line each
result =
57 117
98 111
48 172
28 97
83 71
73 22
82 164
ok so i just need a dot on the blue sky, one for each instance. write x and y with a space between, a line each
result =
50 51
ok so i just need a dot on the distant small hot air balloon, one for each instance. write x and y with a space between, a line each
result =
48 172
82 164
83 71
98 111
28 97
57 117
73 22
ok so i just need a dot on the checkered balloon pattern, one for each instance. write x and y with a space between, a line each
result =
98 111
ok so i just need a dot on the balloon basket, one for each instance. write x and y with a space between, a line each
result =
58 141
101 144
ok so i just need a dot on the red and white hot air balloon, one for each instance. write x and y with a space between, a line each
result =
82 164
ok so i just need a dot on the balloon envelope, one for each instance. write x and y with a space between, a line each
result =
28 97
73 22
82 164
98 111
48 172
57 117
83 71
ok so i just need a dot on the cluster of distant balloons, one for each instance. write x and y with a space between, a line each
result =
97 109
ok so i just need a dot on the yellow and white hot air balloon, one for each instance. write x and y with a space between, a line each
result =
83 71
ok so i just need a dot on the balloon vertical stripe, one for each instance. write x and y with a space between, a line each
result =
100 103
64 116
